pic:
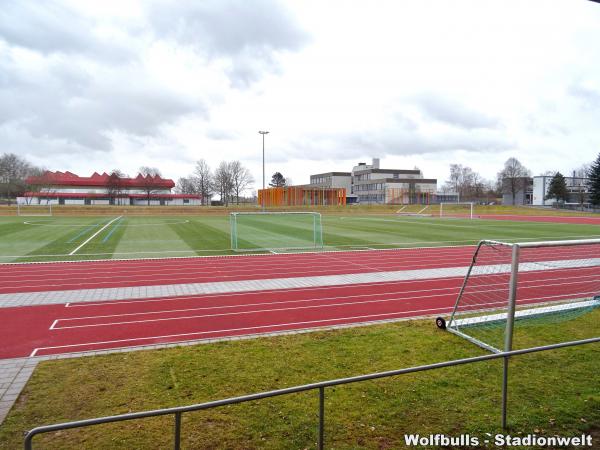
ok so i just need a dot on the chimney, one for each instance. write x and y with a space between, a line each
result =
375 163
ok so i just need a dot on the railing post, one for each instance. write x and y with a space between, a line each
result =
321 441
177 444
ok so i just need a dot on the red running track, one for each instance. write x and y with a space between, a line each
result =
42 277
55 329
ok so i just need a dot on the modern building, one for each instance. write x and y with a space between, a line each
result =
372 184
534 190
66 188
578 188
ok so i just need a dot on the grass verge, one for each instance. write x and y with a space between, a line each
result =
550 393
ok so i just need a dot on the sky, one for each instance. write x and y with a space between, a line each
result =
99 85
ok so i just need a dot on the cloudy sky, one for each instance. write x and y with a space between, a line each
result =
97 85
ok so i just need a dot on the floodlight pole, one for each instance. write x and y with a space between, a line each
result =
263 167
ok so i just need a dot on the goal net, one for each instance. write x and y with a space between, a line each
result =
462 210
512 291
34 210
275 231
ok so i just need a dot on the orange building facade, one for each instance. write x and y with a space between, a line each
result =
301 196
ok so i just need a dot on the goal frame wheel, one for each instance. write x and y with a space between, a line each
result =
440 323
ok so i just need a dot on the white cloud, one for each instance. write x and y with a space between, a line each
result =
424 83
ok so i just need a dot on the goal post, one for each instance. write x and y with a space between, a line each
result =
511 288
260 231
37 210
457 210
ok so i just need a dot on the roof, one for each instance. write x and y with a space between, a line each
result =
398 171
397 180
334 174
58 178
79 195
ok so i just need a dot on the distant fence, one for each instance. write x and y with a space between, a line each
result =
320 387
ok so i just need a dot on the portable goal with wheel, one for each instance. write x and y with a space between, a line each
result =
260 231
34 210
510 288
461 210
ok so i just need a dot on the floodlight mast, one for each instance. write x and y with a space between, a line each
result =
263 167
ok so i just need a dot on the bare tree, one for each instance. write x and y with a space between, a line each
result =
467 183
115 186
223 182
513 177
151 181
186 185
241 178
14 172
204 181
581 183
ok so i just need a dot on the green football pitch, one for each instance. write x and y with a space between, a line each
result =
83 237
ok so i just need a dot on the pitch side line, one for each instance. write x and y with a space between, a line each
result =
94 235
278 325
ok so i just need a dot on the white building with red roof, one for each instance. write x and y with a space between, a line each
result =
66 188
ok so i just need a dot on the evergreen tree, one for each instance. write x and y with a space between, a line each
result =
558 188
277 180
594 183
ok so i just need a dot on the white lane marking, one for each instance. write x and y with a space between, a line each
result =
143 301
278 325
330 305
529 284
94 235
54 324
255 311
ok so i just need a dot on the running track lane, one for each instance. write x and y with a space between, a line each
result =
55 329
41 277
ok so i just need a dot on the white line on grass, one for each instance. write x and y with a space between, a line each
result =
95 234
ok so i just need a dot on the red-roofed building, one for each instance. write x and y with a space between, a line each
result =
66 188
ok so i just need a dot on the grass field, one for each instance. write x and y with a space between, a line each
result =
61 237
550 393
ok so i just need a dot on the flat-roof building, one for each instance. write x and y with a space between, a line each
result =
67 188
372 184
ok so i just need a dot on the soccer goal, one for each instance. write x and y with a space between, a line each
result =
463 210
510 289
259 231
34 210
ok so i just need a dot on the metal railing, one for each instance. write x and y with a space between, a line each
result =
178 411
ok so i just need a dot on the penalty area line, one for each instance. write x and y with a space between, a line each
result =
95 234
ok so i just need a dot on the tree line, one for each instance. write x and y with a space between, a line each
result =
558 185
15 171
229 180
515 177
